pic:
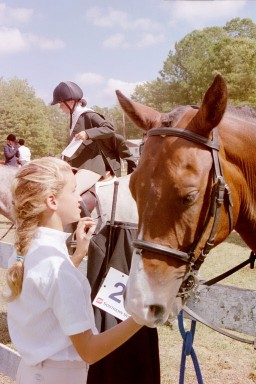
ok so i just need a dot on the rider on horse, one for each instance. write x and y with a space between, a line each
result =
92 135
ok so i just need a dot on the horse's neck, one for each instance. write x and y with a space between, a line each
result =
238 142
239 173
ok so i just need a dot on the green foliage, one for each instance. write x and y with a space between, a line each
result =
59 125
198 57
155 94
26 116
120 122
241 28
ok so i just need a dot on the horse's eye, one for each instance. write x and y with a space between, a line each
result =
189 198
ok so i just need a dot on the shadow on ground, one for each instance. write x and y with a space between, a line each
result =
234 238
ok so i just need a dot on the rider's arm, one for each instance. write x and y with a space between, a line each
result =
93 126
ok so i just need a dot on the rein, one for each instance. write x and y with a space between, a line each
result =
220 194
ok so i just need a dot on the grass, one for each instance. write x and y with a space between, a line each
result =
221 360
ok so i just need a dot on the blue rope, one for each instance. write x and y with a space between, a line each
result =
187 349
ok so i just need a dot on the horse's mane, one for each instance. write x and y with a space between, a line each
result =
169 119
243 112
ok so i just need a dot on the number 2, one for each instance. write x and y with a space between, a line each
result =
114 295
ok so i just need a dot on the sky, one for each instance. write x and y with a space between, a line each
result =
102 45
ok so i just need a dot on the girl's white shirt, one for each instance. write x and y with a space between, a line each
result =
54 303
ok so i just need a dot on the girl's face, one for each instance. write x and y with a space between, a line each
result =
68 201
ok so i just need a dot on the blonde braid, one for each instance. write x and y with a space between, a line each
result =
33 183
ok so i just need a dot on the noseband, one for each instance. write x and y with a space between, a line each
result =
219 195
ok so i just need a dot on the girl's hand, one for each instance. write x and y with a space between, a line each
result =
84 231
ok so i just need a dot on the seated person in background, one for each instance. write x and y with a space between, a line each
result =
11 151
25 154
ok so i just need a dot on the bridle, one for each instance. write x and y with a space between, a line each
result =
220 194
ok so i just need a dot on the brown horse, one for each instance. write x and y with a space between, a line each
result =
195 182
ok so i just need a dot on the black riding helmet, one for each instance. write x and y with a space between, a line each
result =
66 90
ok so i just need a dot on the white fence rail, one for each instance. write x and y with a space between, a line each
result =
9 361
227 307
5 252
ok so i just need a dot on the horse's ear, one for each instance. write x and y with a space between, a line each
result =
142 116
213 106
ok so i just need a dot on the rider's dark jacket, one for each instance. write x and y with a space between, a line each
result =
97 153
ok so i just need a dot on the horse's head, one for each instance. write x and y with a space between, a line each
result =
172 188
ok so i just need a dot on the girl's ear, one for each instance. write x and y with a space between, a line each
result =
51 202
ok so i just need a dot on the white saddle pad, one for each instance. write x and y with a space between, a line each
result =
85 179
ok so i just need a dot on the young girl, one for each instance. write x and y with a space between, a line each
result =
50 316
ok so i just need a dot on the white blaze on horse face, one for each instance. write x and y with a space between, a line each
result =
148 303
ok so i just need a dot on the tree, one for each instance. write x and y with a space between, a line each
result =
120 122
237 63
155 94
198 57
241 28
59 125
27 116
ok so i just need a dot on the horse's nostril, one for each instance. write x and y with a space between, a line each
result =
156 310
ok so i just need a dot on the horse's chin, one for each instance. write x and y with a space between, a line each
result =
151 323
154 315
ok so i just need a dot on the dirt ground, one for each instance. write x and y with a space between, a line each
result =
221 359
